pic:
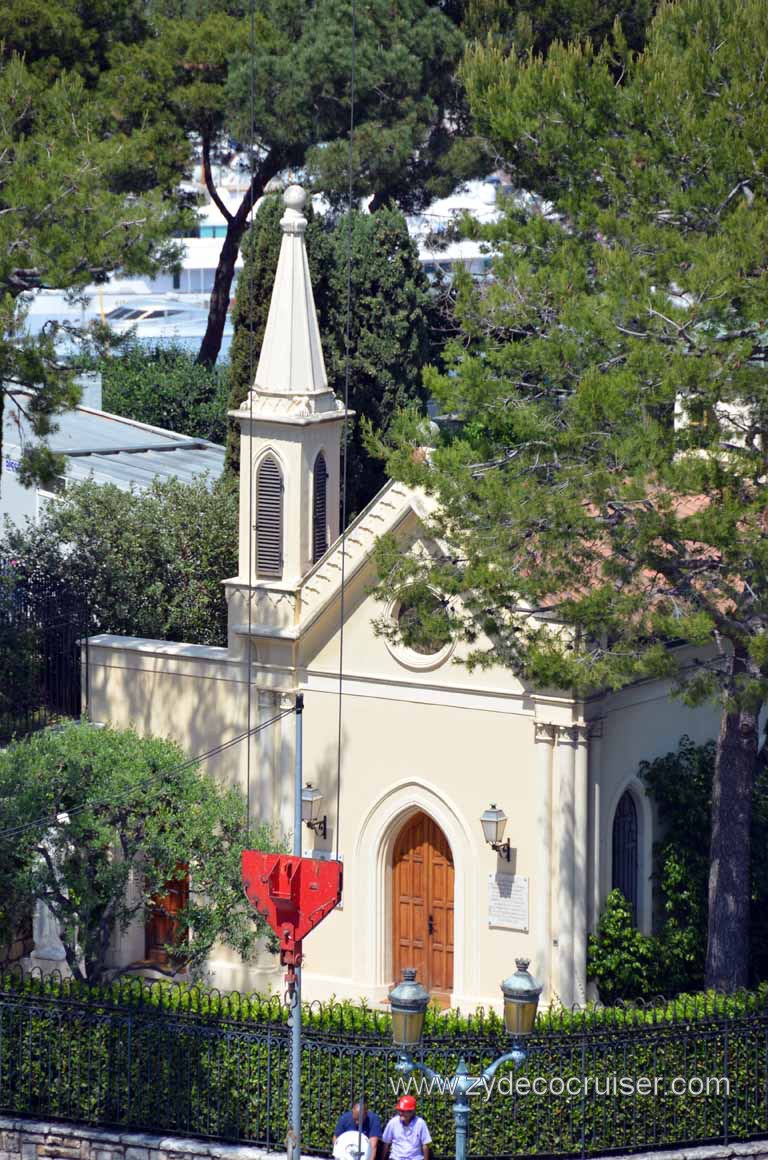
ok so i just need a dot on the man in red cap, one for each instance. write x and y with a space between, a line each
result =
406 1136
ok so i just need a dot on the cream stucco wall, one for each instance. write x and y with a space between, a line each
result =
634 725
415 735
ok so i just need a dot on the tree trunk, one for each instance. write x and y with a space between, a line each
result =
727 959
225 271
222 285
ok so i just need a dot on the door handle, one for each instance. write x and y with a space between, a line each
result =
431 925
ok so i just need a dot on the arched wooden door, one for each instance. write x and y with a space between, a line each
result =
422 904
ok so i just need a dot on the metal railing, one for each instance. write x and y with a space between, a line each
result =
195 1063
41 625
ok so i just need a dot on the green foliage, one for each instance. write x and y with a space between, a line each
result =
622 960
164 386
234 1078
405 89
531 26
390 337
20 661
413 140
608 392
84 806
627 964
391 333
65 220
648 291
58 35
149 563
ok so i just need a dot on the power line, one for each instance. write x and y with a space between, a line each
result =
251 343
51 820
347 369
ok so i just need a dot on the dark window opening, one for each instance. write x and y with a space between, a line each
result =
625 851
319 510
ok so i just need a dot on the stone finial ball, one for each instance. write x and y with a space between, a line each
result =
295 198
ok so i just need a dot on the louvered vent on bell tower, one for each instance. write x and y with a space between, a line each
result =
269 518
319 512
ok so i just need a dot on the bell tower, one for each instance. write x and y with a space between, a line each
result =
290 431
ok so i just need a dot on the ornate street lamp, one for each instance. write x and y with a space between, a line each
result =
408 1002
310 808
521 998
494 823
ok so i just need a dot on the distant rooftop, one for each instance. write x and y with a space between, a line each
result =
111 449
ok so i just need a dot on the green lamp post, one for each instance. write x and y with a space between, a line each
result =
408 1004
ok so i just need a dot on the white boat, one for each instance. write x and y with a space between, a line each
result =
173 307
127 308
161 317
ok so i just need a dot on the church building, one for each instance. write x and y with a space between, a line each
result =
416 759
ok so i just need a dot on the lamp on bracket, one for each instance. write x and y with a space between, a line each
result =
310 808
494 823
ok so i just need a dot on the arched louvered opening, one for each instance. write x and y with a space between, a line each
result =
625 851
319 510
269 518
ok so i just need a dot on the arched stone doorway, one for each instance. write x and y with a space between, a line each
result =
423 904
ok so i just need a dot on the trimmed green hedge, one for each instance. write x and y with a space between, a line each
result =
187 1060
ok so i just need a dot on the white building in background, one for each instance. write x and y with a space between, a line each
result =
99 446
426 746
172 307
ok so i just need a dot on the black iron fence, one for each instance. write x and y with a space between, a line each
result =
208 1066
41 625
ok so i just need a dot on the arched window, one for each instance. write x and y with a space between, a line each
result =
625 851
319 512
269 518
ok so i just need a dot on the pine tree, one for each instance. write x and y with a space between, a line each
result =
607 465
72 211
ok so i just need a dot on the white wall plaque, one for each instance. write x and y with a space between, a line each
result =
508 901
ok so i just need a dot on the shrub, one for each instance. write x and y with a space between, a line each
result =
627 964
189 1060
164 386
97 822
149 563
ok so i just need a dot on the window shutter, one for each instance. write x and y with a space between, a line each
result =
625 852
269 518
319 514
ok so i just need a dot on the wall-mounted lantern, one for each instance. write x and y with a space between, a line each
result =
310 809
494 823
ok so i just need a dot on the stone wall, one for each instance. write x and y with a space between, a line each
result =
41 1140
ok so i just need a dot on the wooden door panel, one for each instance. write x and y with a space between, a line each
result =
422 904
441 909
162 924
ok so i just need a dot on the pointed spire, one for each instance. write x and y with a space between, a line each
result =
291 384
291 360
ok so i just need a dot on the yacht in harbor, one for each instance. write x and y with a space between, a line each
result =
172 307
